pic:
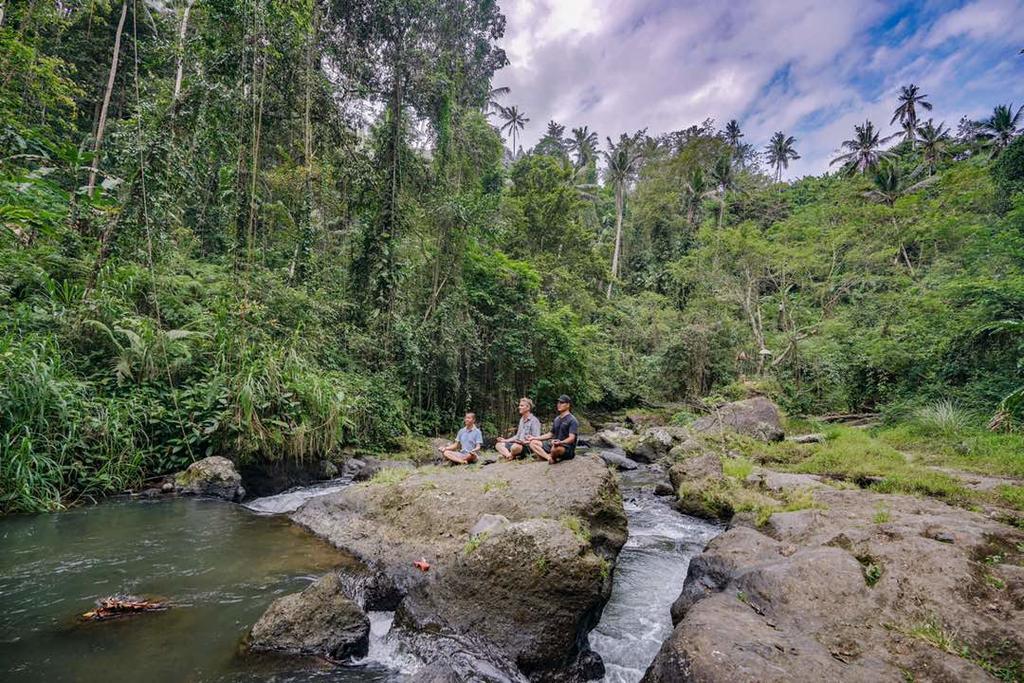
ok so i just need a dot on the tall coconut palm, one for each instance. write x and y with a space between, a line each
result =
492 104
583 144
891 183
910 99
934 142
732 134
621 162
515 121
723 175
864 150
780 152
1001 128
695 189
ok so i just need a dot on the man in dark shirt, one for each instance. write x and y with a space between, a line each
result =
562 444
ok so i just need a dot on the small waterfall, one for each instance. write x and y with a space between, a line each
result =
649 575
292 499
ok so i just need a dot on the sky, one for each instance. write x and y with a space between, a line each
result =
810 69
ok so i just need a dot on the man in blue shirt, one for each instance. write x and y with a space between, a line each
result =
467 444
563 434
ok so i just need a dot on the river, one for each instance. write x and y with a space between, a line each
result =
221 564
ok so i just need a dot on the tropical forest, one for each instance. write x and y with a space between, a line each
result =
260 261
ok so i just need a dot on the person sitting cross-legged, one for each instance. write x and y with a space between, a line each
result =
562 443
529 425
467 444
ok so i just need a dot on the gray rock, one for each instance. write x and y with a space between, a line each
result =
319 621
618 460
488 524
525 590
167 487
215 477
830 594
612 437
649 445
520 598
685 448
754 417
663 488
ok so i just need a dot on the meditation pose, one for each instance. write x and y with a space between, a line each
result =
562 443
467 444
529 425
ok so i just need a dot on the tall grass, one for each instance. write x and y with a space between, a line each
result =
943 417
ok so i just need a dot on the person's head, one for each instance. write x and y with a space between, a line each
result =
469 419
525 406
564 403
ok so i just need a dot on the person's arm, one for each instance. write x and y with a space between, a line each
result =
479 442
540 437
453 446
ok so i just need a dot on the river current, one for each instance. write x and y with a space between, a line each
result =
220 565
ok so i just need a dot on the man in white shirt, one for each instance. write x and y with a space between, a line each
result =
467 444
529 425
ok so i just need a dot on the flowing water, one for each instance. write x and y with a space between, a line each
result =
649 574
220 565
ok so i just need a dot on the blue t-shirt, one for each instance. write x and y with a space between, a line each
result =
470 439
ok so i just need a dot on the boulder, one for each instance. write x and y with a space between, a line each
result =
757 417
640 420
517 599
319 621
663 488
694 479
649 445
685 448
831 593
215 477
361 469
524 591
617 460
612 437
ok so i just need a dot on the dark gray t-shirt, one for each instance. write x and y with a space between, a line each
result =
563 426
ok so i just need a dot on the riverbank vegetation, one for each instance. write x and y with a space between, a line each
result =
271 230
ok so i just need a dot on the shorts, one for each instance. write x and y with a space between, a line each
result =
569 453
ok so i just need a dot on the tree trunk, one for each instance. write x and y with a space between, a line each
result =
181 50
3 4
106 101
620 201
721 210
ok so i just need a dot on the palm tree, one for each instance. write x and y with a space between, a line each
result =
583 144
492 104
723 175
553 143
780 152
514 121
732 134
1000 129
906 113
934 141
695 189
621 161
890 183
864 150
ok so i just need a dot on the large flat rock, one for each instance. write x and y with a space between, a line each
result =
521 596
867 587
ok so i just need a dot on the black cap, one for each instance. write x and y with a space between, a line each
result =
564 398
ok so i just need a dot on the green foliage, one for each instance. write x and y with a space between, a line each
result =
266 273
579 528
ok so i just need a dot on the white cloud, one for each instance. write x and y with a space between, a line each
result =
801 66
